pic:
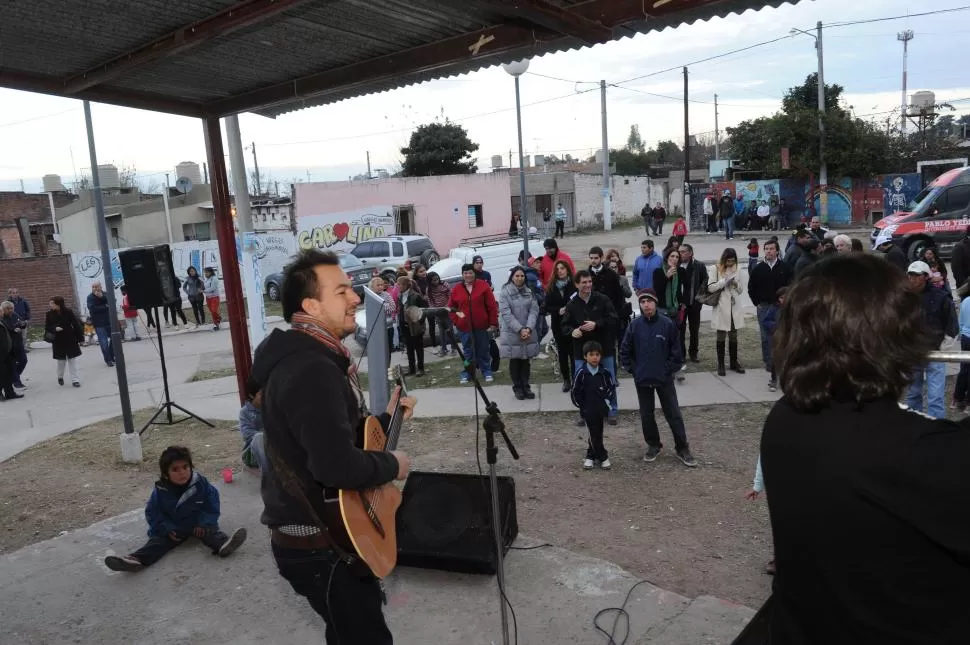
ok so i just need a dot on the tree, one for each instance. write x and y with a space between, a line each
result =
439 149
634 143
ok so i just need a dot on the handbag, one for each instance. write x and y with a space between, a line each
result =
49 337
710 298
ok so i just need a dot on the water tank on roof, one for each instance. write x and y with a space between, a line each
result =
922 102
540 160
108 174
599 156
496 161
191 170
526 161
52 184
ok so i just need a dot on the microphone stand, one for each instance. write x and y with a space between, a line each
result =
493 424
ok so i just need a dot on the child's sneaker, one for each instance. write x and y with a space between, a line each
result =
605 464
463 380
772 385
123 563
588 464
234 542
489 378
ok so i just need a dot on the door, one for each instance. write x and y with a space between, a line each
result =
404 219
950 216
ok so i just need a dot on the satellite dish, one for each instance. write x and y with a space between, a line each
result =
184 185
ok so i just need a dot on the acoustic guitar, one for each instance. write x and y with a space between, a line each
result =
367 521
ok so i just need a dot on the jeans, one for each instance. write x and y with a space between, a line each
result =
175 311
694 327
609 364
564 350
752 263
934 375
198 309
667 393
104 340
445 329
560 228
157 546
257 448
474 344
962 391
765 336
658 227
729 227
520 371
19 362
414 344
349 601
72 363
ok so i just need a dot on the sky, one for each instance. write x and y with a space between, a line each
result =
560 97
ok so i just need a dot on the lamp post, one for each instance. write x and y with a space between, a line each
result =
517 69
823 173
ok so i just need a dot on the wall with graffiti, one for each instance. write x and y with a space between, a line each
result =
898 191
342 231
272 252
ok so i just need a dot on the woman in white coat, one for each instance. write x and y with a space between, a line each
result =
727 317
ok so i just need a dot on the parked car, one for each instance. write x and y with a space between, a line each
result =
354 268
385 254
500 256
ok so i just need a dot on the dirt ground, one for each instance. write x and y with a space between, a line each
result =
76 479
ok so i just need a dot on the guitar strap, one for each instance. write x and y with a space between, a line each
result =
294 486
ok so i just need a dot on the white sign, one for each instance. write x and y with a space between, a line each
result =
343 231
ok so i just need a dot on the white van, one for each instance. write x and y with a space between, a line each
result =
500 256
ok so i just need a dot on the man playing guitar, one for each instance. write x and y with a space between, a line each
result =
313 412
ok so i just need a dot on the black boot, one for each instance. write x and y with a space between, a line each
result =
720 359
566 385
525 375
733 350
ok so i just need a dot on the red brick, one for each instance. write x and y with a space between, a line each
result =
39 280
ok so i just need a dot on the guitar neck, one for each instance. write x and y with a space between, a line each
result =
394 428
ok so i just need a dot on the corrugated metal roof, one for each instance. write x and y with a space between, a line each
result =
43 43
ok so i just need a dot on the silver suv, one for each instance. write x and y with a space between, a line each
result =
386 254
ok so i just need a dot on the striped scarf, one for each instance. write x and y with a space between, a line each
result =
311 326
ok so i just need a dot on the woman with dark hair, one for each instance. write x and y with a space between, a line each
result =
868 499
614 255
727 317
938 273
518 314
514 225
412 331
670 284
63 331
558 292
857 246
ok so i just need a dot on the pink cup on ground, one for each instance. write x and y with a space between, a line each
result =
227 475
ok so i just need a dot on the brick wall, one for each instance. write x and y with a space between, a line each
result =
39 279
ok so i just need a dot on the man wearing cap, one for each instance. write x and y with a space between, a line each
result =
478 262
651 353
893 254
939 314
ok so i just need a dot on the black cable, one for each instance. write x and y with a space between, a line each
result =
621 612
529 548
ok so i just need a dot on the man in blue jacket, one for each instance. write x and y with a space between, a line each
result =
99 313
22 308
651 352
645 264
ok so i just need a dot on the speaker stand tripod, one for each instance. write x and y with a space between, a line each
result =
167 405
493 424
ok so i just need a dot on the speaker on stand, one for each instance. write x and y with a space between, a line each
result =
149 278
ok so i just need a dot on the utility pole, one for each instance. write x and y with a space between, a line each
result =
686 151
905 37
205 172
823 173
607 203
368 165
717 133
168 213
259 186
510 158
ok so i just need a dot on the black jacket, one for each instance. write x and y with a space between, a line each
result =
765 281
896 257
98 310
15 328
805 260
725 208
600 310
937 309
313 422
650 350
960 262
792 255
660 285
697 281
607 282
67 342
872 539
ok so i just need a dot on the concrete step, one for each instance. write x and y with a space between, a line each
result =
705 621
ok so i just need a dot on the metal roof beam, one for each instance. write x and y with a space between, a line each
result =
551 17
238 16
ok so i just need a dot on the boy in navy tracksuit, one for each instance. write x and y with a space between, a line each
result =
182 504
770 324
593 389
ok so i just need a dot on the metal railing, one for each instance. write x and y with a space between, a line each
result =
950 357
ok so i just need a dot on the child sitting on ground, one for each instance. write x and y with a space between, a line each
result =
182 504
771 323
593 388
251 427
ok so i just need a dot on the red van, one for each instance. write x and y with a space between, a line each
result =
937 217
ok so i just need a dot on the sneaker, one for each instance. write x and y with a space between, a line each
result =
489 378
580 423
463 380
681 378
60 381
566 387
234 542
683 368
420 372
611 421
956 405
772 386
215 328
651 453
605 464
76 384
20 386
687 458
123 563
588 464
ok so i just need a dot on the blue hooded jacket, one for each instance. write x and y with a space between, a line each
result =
182 508
651 350
643 269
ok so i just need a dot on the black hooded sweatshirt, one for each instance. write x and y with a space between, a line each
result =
312 420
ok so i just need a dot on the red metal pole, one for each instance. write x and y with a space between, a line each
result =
239 332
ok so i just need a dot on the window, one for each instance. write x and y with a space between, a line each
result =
198 231
363 250
475 219
955 200
398 249
417 247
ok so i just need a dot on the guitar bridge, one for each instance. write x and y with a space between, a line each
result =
372 514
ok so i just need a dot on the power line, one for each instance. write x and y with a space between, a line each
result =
38 118
902 17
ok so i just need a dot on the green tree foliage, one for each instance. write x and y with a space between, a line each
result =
439 149
634 143
635 159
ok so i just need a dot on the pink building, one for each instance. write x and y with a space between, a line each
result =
337 215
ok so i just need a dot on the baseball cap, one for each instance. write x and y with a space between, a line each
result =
883 238
647 294
919 267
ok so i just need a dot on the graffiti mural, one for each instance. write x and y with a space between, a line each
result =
899 191
762 190
839 200
343 231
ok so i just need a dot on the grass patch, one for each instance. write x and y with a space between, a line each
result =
78 478
207 375
445 373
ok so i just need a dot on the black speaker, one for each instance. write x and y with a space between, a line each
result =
149 276
445 522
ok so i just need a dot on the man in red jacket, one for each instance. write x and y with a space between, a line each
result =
547 264
474 313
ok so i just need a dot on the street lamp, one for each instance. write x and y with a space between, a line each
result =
517 69
823 173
